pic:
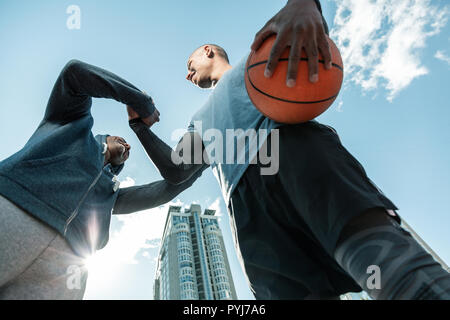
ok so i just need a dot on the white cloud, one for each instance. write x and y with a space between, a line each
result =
216 206
339 106
127 183
442 56
380 40
139 231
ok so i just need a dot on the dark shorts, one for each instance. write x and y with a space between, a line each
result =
288 224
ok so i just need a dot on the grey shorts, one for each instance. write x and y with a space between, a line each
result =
36 262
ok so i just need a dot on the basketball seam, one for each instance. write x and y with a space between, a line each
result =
301 59
285 100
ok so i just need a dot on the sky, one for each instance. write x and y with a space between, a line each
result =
392 113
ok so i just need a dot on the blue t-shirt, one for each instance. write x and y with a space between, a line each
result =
232 129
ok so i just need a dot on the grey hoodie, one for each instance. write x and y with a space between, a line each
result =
59 176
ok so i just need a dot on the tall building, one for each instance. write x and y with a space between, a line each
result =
192 262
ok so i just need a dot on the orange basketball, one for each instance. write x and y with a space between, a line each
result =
301 103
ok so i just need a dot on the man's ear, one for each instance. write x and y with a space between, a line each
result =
106 151
209 51
108 141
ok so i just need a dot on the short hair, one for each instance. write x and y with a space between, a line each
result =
219 50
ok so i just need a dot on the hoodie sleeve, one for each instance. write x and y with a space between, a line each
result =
150 195
79 82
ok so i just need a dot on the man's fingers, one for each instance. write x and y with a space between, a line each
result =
313 60
155 116
294 59
262 35
278 47
149 121
131 113
324 48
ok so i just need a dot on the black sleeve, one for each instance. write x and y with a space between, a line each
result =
79 82
174 166
151 195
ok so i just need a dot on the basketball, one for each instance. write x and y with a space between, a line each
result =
301 103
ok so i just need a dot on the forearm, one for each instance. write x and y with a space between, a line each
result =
151 195
163 156
79 82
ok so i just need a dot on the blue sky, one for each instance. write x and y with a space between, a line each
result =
393 113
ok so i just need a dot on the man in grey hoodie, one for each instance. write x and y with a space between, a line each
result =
58 192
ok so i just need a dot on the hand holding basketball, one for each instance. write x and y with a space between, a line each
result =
298 25
305 100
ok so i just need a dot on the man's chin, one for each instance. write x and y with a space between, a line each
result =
207 84
118 161
204 85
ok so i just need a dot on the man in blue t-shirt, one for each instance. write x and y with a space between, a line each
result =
307 221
